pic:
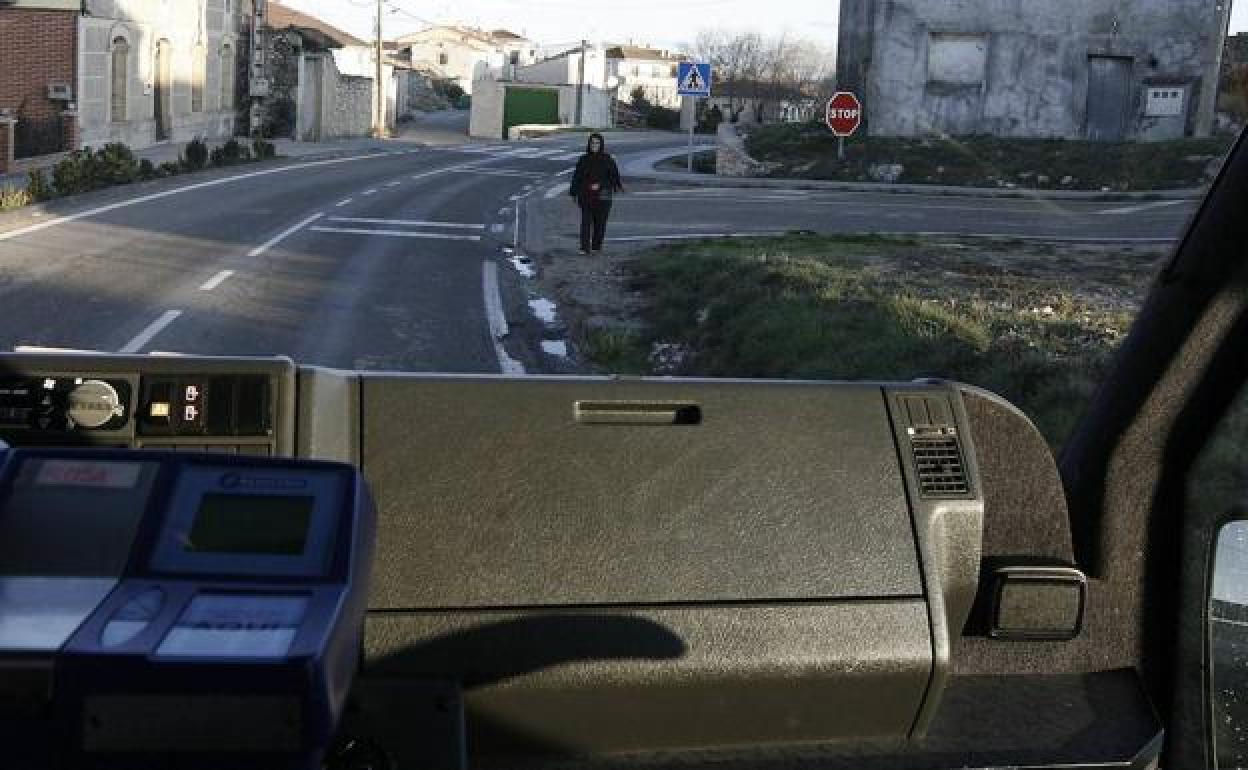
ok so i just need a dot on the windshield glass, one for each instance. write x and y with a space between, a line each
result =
802 189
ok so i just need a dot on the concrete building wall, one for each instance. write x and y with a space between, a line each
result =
190 28
486 121
465 60
567 69
1022 69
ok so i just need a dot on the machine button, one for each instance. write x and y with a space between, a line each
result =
253 406
132 617
94 404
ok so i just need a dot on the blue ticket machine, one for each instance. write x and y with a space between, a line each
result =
180 611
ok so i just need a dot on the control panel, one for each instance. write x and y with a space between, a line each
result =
224 405
209 609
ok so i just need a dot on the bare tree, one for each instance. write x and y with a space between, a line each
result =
771 71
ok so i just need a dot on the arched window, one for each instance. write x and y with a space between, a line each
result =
120 81
199 68
227 77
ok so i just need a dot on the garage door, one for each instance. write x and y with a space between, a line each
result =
1109 89
525 106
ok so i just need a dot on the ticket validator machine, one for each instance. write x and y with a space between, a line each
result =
178 610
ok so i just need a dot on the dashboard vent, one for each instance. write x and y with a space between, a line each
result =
939 467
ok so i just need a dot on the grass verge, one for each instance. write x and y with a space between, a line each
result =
1038 328
809 151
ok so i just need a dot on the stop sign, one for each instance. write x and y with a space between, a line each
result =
844 113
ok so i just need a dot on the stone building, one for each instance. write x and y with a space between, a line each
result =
151 71
38 63
464 55
1097 69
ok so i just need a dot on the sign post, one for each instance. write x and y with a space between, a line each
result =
844 116
692 81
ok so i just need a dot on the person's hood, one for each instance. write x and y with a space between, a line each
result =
590 140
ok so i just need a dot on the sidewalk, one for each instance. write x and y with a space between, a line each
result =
642 167
168 152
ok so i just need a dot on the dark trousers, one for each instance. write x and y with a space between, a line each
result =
594 224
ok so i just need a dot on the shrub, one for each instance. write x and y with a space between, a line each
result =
12 198
76 173
263 150
281 120
170 169
217 158
244 154
37 186
147 170
114 164
196 155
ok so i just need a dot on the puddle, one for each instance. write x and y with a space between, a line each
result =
555 348
544 309
522 266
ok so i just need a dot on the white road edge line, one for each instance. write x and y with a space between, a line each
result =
407 223
557 190
149 333
283 235
497 319
395 233
177 191
1142 207
216 280
695 236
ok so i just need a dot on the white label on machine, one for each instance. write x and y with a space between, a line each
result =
78 473
221 625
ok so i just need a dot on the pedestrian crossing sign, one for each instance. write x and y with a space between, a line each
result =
693 79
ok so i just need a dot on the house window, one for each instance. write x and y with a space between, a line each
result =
227 77
443 59
957 59
121 79
199 68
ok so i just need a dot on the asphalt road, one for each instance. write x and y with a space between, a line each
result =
400 260
382 261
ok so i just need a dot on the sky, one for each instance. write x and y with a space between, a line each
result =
665 23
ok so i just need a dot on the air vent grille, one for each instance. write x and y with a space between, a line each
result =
939 466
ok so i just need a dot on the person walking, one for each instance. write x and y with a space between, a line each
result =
594 183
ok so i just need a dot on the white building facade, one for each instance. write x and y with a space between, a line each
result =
152 71
650 69
464 55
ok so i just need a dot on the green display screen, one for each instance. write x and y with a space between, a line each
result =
251 524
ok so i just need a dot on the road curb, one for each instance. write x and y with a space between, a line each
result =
635 173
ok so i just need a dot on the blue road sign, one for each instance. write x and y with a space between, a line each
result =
693 79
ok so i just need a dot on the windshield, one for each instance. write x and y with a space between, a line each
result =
795 190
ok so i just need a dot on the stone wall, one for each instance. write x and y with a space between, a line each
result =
1023 69
731 157
351 112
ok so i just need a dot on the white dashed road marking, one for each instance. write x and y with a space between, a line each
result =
346 202
395 233
149 333
1143 207
557 190
406 223
283 235
216 280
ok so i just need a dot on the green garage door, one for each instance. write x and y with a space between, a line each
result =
525 106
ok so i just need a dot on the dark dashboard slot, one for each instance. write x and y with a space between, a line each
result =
638 413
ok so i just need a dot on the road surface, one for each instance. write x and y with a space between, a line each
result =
398 260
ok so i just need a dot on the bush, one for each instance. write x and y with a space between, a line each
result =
147 170
196 155
662 118
170 169
12 198
114 164
76 173
244 154
281 120
263 150
37 186
228 154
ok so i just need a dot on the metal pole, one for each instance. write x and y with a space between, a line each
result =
379 123
840 152
580 83
691 109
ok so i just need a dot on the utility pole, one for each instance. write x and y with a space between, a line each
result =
580 83
379 123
